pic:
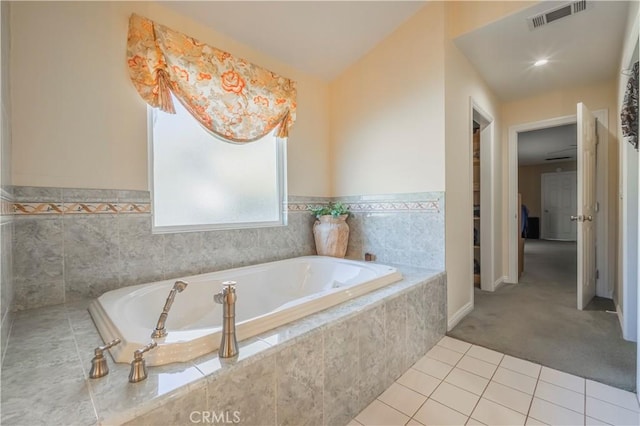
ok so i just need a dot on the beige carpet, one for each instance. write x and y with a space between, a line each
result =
538 320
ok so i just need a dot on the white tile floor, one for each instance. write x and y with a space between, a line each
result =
457 383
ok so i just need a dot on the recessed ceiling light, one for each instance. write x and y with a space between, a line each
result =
540 62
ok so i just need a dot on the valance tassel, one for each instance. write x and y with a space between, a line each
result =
165 102
283 130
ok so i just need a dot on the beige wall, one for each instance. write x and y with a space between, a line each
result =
529 182
560 103
462 82
399 124
5 144
78 122
387 113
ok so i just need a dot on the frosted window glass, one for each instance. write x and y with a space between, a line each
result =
200 180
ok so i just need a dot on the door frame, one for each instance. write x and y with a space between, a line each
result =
604 284
488 195
542 203
487 198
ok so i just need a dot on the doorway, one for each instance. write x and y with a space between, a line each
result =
604 283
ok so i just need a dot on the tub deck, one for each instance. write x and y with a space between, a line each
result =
347 345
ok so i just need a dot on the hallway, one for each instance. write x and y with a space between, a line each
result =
537 320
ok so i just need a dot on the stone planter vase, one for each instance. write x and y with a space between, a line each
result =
331 235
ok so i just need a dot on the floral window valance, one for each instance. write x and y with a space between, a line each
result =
235 99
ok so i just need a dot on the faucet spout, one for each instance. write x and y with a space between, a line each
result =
227 297
161 330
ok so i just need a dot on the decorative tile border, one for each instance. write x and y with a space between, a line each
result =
56 201
301 207
377 206
53 208
395 206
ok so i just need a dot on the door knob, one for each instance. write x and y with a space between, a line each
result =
589 218
576 218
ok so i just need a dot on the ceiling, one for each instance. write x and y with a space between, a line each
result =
321 38
582 48
534 147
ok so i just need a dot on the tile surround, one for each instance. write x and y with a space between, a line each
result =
84 252
400 228
305 372
89 241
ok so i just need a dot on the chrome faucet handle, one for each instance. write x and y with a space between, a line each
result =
99 366
138 366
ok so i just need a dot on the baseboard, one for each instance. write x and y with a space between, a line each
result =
458 316
625 334
499 282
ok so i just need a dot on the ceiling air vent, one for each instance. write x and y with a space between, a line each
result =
560 12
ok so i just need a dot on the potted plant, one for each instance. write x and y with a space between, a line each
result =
330 230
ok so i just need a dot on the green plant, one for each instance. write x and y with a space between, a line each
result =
333 209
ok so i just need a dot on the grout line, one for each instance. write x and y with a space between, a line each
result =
557 405
607 401
451 384
511 387
584 419
392 407
9 332
436 388
85 373
275 387
533 396
413 390
485 388
520 372
563 387
442 346
484 360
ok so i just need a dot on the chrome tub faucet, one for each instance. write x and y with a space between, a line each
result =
161 330
227 298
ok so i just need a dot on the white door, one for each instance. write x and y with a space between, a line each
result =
587 140
559 203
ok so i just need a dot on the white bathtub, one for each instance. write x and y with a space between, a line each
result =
269 295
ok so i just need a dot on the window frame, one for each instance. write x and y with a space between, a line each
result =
281 190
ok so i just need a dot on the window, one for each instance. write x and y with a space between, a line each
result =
200 182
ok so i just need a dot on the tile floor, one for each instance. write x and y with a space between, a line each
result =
457 383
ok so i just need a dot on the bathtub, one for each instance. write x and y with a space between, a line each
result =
269 295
